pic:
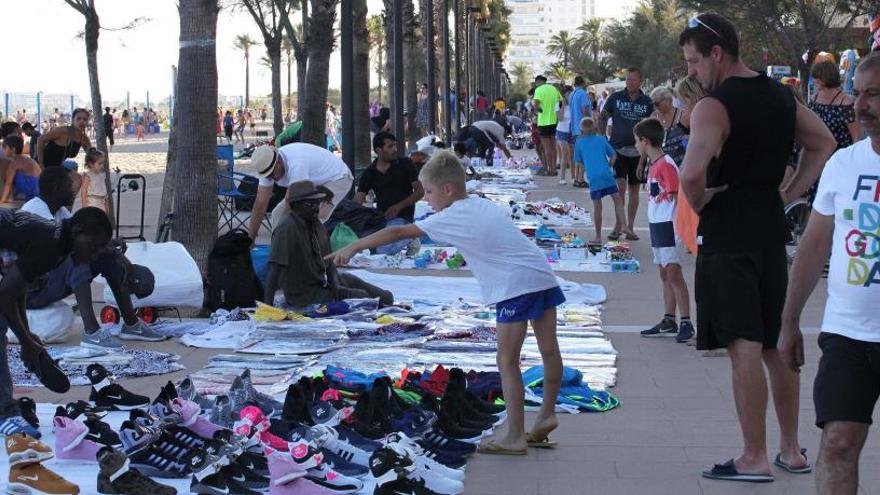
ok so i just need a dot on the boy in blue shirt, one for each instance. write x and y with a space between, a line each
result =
513 274
593 152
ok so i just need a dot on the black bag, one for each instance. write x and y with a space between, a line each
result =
232 281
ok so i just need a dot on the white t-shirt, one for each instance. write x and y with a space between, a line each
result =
303 161
39 207
564 125
850 190
492 129
505 263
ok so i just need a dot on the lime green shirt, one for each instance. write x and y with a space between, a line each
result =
549 98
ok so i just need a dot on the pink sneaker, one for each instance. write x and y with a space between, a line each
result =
282 468
189 412
71 442
300 486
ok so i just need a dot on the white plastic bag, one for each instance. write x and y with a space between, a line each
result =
178 280
52 324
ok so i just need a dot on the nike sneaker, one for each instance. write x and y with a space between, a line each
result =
666 328
301 486
23 449
386 466
324 413
169 432
74 410
207 478
190 417
186 390
404 486
28 410
116 475
432 479
107 393
101 433
269 406
422 458
282 468
327 477
71 442
343 466
256 463
350 435
296 407
141 331
163 411
221 412
344 449
240 478
686 331
238 395
36 479
150 457
14 425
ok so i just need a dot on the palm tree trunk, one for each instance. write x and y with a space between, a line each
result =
166 204
320 47
379 70
195 197
388 17
288 81
247 80
274 52
93 29
301 69
411 71
361 84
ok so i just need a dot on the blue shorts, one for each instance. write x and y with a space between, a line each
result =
597 194
563 136
529 306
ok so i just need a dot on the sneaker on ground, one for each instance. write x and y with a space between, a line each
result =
266 403
328 477
115 475
107 393
28 409
140 331
100 432
685 331
282 468
422 458
24 449
187 391
146 456
36 479
221 413
666 328
386 467
247 479
99 339
17 424
207 478
71 442
432 479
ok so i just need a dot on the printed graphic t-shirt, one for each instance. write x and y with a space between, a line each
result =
663 186
849 189
626 113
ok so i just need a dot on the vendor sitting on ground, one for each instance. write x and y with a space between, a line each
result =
496 133
395 184
22 174
124 278
296 261
476 142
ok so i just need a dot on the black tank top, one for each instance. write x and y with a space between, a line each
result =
749 214
55 154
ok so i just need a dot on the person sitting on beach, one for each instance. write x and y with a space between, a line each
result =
21 177
296 260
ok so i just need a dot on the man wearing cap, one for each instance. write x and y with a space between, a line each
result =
124 278
293 163
296 261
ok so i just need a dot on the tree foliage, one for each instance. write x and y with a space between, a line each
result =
561 45
648 39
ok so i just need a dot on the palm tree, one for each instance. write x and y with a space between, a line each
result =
268 14
589 37
561 45
195 201
244 43
321 42
376 30
521 71
297 36
287 48
413 57
560 73
360 112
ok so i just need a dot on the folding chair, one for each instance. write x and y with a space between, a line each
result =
231 201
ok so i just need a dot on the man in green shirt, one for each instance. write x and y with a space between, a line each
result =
547 100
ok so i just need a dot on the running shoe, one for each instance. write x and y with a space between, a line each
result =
101 433
28 410
148 457
207 478
432 479
221 412
350 435
246 479
422 458
100 339
266 403
343 466
282 468
18 425
190 418
404 486
328 477
74 410
140 331
115 475
296 407
345 449
386 466
24 449
71 442
107 393
666 328
238 396
685 331
255 463
36 479
187 391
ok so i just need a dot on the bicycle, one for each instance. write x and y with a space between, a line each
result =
797 214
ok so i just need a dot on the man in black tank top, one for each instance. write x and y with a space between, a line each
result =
741 137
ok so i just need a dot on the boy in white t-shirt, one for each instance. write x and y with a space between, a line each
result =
663 187
513 274
846 221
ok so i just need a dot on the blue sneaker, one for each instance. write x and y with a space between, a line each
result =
17 424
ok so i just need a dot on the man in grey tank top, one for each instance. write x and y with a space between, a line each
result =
741 266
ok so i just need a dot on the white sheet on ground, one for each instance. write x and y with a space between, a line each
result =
178 279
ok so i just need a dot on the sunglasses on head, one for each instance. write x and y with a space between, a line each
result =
695 22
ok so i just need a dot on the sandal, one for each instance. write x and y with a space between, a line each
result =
492 448
632 237
784 465
614 235
545 443
728 472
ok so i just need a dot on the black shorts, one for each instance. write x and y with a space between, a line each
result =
740 296
625 168
546 131
847 384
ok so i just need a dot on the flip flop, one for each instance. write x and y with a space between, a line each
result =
614 235
490 447
632 237
784 465
546 443
728 472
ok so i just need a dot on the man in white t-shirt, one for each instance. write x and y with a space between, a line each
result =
846 220
495 131
291 163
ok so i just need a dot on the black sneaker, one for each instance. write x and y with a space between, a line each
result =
116 476
240 478
255 463
149 454
28 410
221 412
296 407
107 393
404 486
685 331
74 410
207 478
100 432
666 328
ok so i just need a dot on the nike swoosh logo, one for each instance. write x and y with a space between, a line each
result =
115 397
239 478
28 478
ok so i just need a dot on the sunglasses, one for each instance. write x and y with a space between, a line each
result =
695 22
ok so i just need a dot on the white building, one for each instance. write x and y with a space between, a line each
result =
533 22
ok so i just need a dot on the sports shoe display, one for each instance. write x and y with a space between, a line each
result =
238 396
266 403
238 476
404 486
74 410
24 449
301 486
343 466
207 479
140 331
385 466
71 442
422 458
100 339
28 410
16 424
187 391
190 418
149 456
685 331
432 479
666 328
101 433
106 393
345 449
282 468
116 476
36 479
327 477
221 412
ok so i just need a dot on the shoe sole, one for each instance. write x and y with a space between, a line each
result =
29 456
22 489
142 338
98 347
661 334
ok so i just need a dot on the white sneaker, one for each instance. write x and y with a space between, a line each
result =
562 182
417 454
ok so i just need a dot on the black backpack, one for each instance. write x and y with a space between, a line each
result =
232 281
